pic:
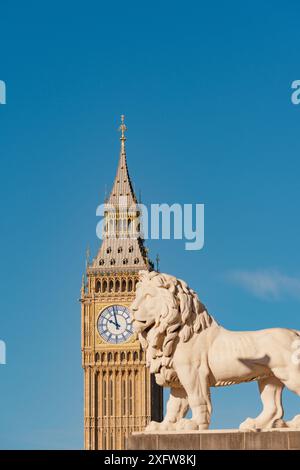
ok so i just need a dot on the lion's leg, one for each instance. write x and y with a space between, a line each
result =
271 416
293 384
195 382
177 407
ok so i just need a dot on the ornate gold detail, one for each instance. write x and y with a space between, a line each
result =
122 128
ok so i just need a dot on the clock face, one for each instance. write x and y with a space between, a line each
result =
114 324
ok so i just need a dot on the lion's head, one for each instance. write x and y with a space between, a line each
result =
165 311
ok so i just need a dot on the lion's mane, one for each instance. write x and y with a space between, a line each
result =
181 315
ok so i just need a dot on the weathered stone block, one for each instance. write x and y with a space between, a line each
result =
283 439
175 441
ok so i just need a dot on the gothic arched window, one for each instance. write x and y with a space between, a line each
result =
98 286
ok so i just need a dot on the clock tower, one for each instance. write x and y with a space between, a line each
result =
120 396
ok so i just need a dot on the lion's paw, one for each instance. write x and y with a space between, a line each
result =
166 426
248 425
294 423
186 425
152 426
257 424
163 426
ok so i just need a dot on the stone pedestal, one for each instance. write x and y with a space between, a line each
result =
229 439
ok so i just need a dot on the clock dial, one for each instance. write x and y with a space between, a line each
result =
114 324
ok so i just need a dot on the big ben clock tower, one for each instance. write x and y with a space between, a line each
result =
119 395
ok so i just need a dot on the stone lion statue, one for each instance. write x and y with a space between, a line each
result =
190 352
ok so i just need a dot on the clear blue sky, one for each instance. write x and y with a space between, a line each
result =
206 93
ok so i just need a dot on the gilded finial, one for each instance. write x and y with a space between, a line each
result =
122 128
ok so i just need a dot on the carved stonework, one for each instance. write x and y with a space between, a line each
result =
188 351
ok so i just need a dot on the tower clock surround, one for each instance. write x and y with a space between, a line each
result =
115 324
120 396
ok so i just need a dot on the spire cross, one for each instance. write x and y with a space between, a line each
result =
122 128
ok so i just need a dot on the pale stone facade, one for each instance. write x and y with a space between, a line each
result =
119 395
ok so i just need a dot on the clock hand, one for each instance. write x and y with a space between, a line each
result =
116 321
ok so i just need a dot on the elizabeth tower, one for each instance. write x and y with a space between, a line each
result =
119 394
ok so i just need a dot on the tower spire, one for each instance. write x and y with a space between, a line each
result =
122 189
122 246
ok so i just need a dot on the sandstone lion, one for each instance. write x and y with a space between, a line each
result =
190 352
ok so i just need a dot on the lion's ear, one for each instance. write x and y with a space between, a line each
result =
163 280
169 284
172 288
